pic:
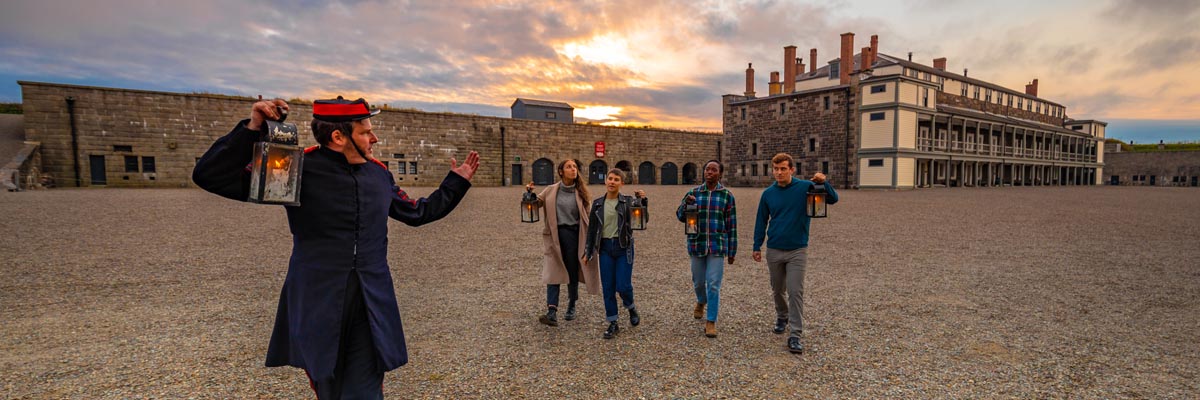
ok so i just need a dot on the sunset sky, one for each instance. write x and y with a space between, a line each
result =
660 63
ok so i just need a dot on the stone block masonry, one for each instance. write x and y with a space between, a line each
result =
138 138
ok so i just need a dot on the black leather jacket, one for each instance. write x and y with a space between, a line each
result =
624 230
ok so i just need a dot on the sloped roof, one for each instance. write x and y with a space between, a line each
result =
543 103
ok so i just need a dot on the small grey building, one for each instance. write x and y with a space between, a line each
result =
541 110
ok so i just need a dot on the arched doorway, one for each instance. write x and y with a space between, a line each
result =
670 174
596 171
625 166
646 173
689 174
543 172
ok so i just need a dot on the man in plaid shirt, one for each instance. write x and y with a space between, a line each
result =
716 241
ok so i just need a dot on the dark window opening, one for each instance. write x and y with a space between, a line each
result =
121 147
397 155
131 164
743 113
875 162
551 115
754 149
782 108
753 169
826 102
148 164
877 116
812 145
412 167
825 167
879 89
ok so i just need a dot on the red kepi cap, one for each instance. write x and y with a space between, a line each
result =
342 110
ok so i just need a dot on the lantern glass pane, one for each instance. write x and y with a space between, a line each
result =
275 173
638 216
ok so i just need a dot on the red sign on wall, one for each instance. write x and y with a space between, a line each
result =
599 149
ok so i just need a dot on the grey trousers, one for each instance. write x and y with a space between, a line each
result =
787 274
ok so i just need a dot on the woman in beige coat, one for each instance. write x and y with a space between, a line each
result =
564 208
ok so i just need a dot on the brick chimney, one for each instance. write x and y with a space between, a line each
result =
812 60
750 80
847 60
874 50
799 66
864 60
1031 89
789 69
939 63
774 87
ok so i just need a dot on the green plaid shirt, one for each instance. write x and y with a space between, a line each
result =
717 220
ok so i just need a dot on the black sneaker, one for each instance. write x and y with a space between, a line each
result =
612 330
549 318
780 325
794 345
634 319
570 315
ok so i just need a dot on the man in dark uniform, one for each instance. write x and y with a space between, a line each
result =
337 317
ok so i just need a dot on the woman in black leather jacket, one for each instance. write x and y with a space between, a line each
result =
610 237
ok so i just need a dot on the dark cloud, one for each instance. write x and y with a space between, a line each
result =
1165 52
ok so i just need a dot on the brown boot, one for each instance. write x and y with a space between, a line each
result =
710 329
699 311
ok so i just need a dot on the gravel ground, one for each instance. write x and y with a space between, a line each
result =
945 293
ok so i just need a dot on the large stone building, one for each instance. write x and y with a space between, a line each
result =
1151 168
872 120
93 136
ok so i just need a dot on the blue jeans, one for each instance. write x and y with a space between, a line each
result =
616 276
707 272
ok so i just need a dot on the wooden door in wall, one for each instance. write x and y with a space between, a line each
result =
518 176
99 176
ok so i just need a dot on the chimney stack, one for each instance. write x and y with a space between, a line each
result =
799 66
750 80
774 87
865 59
874 50
812 60
939 63
1031 89
910 56
789 69
964 72
847 60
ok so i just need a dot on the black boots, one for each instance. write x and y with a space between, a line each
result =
634 319
570 315
612 330
794 345
550 318
780 325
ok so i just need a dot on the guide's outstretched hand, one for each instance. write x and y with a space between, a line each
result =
468 167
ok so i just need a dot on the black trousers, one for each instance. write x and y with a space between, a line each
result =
568 242
357 374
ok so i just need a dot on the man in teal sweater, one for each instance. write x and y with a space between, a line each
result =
783 222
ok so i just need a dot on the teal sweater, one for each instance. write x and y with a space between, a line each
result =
782 219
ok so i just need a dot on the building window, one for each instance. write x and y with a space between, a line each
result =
826 102
925 97
812 145
834 71
964 89
879 89
825 167
754 149
875 162
977 93
878 116
131 164
148 164
122 147
1010 97
988 96
1020 103
397 155
782 108
1039 108
743 113
551 115
1077 127
412 167
753 169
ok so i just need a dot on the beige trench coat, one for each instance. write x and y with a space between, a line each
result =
554 271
